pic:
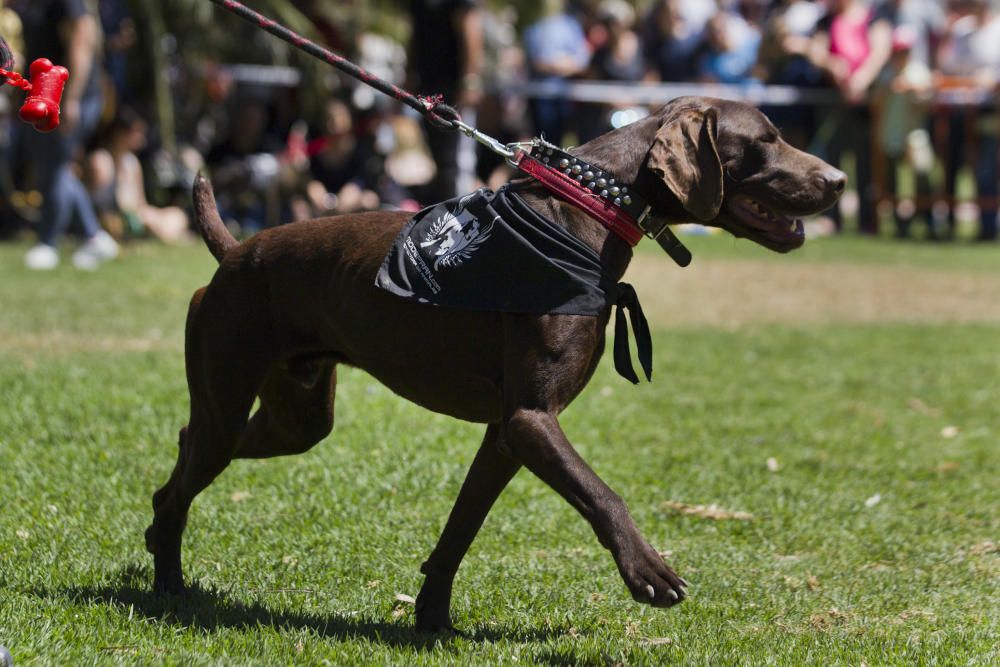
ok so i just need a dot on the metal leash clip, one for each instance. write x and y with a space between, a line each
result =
486 140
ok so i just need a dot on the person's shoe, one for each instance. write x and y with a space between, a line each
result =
95 251
42 257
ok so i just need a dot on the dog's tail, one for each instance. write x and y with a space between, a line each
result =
206 214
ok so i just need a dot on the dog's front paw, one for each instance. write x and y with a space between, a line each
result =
433 613
650 580
170 584
435 621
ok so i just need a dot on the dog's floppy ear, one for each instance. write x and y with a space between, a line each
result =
684 154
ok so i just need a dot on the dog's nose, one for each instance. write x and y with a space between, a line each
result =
833 180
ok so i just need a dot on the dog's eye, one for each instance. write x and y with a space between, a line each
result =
749 162
769 138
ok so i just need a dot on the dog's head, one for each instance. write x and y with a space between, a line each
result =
723 164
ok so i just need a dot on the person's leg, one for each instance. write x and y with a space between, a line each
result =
834 152
892 191
547 121
924 198
867 215
98 246
444 149
955 157
987 186
50 155
63 194
90 117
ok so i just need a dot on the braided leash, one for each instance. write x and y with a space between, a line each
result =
433 107
15 79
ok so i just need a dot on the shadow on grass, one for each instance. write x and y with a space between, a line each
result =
212 610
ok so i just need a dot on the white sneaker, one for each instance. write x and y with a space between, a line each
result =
97 250
42 258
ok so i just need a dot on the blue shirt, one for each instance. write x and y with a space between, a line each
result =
555 37
732 66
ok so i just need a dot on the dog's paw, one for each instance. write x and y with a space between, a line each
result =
435 622
439 629
169 584
650 580
434 618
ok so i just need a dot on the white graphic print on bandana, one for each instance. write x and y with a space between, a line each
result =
456 235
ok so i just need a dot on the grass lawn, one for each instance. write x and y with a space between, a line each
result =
845 442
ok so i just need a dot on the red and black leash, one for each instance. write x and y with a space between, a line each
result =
434 108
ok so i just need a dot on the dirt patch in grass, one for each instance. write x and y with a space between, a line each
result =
712 512
734 293
65 342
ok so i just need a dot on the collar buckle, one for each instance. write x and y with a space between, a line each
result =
648 231
666 238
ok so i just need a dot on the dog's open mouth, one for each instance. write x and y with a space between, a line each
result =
751 219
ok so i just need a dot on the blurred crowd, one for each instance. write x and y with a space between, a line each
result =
109 174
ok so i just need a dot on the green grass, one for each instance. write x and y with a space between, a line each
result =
298 560
849 248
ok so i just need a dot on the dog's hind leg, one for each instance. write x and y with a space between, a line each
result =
491 470
295 413
222 379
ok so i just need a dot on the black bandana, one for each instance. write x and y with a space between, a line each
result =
491 251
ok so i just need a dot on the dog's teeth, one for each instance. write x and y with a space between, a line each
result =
651 592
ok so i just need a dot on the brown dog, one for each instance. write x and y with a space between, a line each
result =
289 304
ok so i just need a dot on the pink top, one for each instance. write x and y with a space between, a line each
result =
849 40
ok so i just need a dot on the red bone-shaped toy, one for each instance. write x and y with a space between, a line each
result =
41 109
45 89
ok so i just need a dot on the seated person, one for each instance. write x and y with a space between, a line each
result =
118 189
338 166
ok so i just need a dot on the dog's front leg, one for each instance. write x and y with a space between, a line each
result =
535 438
490 472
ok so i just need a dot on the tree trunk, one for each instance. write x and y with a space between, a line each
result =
151 15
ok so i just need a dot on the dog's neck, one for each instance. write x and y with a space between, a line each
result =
615 253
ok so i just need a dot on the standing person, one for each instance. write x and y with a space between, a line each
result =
446 57
557 51
901 96
969 58
670 42
859 42
729 51
619 60
66 32
788 57
120 38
